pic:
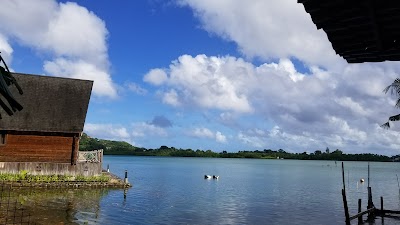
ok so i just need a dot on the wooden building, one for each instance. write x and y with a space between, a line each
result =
360 31
43 138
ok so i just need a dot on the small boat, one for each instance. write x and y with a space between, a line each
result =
207 176
215 177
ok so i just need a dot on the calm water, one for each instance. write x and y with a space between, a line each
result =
249 191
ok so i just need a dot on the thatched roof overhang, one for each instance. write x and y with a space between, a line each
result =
360 31
51 104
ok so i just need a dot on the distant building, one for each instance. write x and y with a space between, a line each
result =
43 138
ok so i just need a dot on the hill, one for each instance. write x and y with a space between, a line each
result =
124 148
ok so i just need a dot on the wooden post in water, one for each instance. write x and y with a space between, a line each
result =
344 185
368 174
382 207
126 177
346 208
370 203
360 220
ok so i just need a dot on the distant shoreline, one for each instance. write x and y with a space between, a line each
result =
123 148
345 157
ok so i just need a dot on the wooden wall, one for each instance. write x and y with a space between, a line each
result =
47 168
36 148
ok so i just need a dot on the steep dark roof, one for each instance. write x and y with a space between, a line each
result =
51 104
360 31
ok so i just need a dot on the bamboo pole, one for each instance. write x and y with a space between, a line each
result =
346 208
362 213
368 174
344 185
370 203
359 211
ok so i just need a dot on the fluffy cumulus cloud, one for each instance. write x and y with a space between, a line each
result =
219 137
202 132
333 104
133 133
74 37
110 131
155 76
310 110
206 82
267 29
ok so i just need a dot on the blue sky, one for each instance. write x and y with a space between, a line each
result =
201 74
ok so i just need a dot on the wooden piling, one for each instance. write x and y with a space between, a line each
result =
368 174
344 185
346 208
370 204
360 220
362 213
126 177
382 211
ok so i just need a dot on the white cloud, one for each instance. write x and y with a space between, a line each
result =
202 132
76 32
252 141
108 131
102 86
314 110
136 88
155 76
219 137
131 133
74 37
171 98
267 29
143 129
5 49
341 105
355 107
208 82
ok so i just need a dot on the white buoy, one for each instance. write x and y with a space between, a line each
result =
207 177
362 180
215 177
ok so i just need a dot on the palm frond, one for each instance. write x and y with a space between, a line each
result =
395 118
394 87
386 125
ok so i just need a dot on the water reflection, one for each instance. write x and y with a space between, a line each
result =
62 206
173 191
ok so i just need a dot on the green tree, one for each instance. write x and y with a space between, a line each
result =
327 150
394 89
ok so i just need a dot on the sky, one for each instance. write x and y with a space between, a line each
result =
203 74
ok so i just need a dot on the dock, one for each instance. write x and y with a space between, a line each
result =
372 211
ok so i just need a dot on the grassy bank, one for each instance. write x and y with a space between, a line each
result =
25 176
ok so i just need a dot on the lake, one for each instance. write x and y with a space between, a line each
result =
168 190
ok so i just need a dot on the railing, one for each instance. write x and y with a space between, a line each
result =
95 156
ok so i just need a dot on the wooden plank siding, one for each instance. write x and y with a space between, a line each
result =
38 148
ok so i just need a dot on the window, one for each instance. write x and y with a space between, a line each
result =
2 138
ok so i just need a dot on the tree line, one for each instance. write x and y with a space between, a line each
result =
123 148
